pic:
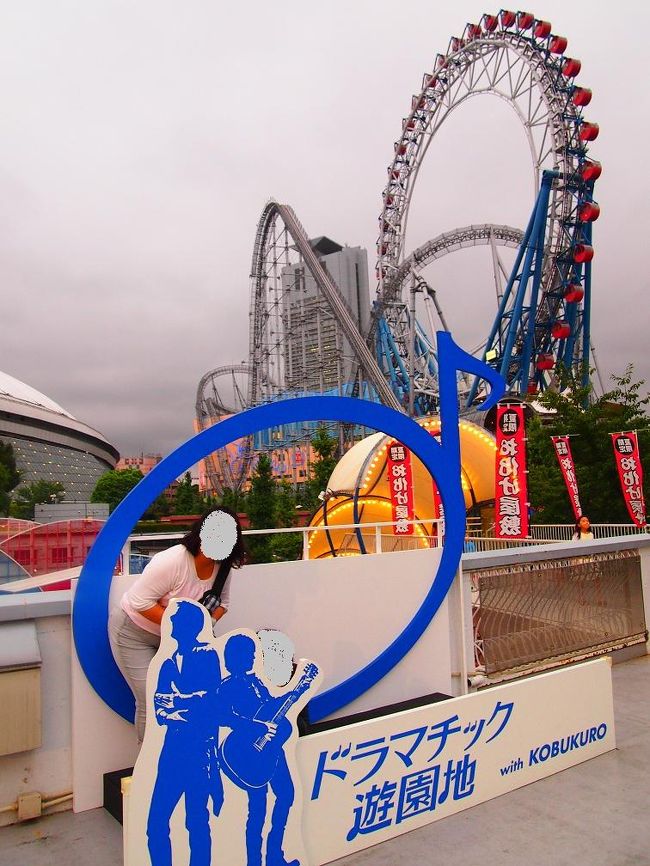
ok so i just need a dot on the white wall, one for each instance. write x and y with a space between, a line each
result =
47 769
333 618
343 616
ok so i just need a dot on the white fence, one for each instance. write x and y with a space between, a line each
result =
377 540
564 531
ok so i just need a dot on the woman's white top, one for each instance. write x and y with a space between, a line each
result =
170 574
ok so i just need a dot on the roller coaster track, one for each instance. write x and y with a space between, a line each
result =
329 290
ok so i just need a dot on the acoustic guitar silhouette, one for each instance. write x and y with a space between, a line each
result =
248 758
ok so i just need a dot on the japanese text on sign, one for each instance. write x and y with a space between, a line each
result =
630 474
565 459
391 797
511 489
400 484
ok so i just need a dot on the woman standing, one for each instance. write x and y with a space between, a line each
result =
197 568
582 530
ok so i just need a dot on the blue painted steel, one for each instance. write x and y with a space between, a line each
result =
385 357
536 254
586 315
501 312
394 351
517 308
90 612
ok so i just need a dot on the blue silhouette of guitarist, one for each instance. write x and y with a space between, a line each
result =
186 704
253 756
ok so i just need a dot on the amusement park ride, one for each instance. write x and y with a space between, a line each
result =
543 310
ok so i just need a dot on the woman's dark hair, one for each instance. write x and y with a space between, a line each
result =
192 539
578 528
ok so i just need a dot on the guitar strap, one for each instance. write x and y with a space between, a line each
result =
212 598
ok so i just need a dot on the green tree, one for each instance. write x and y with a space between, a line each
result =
289 546
234 499
187 499
36 493
589 422
261 508
160 507
325 449
114 485
9 475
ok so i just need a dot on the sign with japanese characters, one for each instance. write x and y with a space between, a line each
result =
400 484
562 448
511 489
630 474
372 781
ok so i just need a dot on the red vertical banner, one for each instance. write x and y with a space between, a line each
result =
511 498
565 459
400 484
438 507
630 474
439 515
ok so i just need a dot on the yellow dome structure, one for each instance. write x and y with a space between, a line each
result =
358 492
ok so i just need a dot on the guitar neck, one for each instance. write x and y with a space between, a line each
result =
284 708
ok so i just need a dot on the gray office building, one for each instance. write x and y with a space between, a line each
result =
317 355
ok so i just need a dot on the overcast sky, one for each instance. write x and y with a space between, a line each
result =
140 141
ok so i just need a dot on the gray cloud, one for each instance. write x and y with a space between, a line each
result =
140 142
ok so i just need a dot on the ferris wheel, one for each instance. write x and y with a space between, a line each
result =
542 317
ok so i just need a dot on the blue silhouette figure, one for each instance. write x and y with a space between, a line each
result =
186 703
252 755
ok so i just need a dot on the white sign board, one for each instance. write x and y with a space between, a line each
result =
365 783
216 780
375 780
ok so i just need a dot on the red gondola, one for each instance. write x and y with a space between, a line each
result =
589 212
508 18
490 22
545 361
542 29
474 31
571 67
589 131
581 96
525 20
441 61
583 253
558 45
400 149
591 170
573 293
561 330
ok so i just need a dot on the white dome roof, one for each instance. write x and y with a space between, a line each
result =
14 389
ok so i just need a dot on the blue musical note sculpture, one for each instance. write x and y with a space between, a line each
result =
90 613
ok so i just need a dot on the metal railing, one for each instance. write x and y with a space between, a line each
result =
564 531
525 614
377 540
